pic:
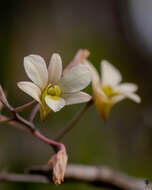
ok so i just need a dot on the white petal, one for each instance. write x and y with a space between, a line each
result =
30 89
36 70
75 80
55 68
110 75
126 87
95 75
75 98
133 97
117 99
55 105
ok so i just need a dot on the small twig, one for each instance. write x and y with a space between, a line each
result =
51 142
34 112
2 94
97 176
14 124
5 120
4 101
23 121
72 123
30 128
23 107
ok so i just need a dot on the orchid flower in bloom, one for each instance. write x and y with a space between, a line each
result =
108 90
52 90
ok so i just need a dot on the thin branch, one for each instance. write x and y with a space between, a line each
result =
2 94
51 142
29 126
4 101
23 107
34 112
5 120
97 176
26 178
14 123
73 122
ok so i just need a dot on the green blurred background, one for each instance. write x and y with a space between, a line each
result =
119 31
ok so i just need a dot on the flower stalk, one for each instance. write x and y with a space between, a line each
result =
58 164
25 106
74 121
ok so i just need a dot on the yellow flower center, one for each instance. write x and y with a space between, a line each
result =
53 91
109 92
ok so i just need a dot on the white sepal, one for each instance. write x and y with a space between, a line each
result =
77 97
126 87
55 68
35 68
110 75
30 89
75 80
133 97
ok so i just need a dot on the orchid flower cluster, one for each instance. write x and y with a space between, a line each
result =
53 91
52 88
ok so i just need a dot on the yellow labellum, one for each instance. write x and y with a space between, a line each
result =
109 91
102 106
53 92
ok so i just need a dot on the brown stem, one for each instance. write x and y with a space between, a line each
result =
30 128
5 119
26 178
4 101
2 94
34 112
23 107
72 123
38 135
101 176
14 123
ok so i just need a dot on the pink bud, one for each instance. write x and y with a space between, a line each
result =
58 162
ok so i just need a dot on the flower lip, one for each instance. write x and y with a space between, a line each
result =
51 97
54 90
109 92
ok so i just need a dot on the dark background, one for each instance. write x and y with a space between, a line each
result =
119 31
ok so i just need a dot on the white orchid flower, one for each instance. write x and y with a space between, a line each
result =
108 90
52 90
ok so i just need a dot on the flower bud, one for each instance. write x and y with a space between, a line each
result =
58 162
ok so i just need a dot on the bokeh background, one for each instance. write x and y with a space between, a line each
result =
119 31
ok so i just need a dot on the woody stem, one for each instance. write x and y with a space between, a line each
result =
20 123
